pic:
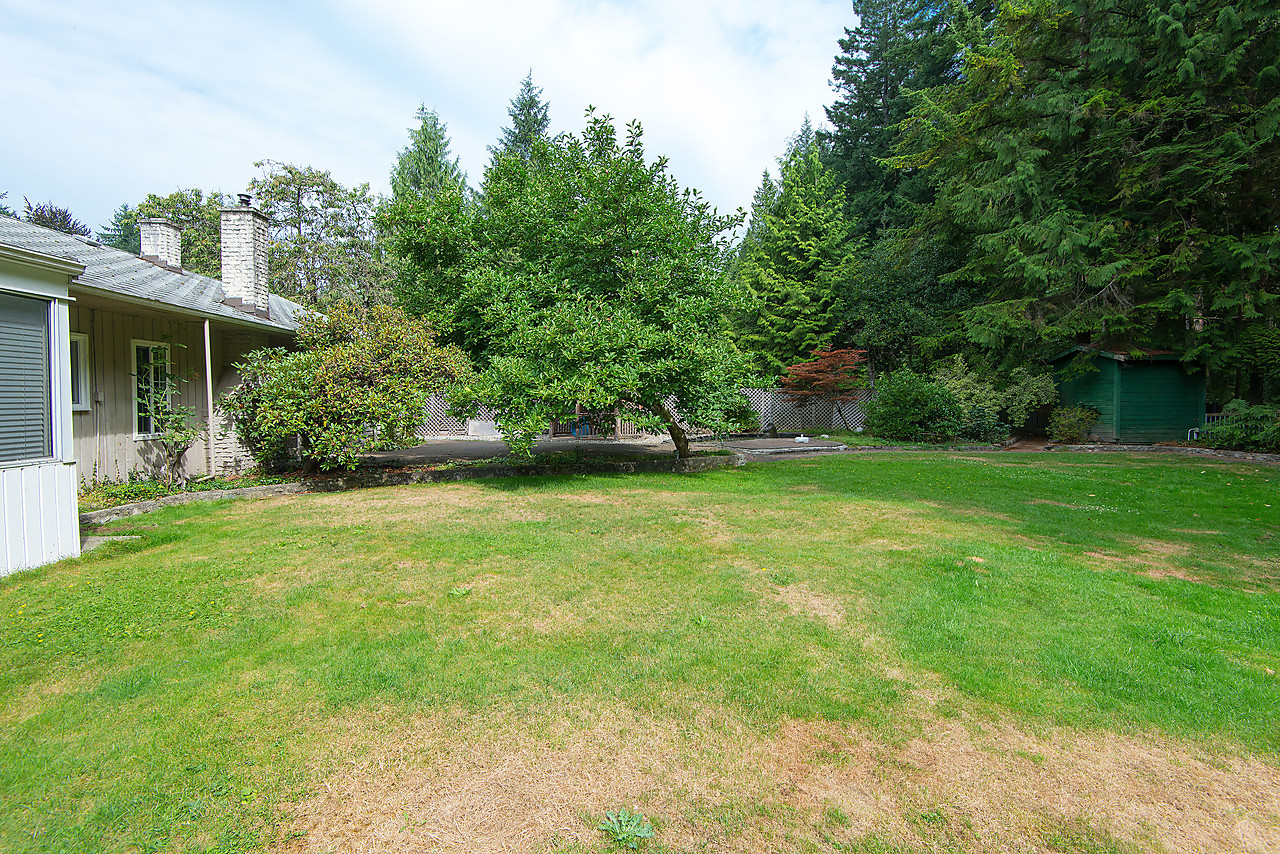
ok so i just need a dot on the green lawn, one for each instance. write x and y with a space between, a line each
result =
515 657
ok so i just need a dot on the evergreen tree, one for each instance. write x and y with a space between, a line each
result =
424 167
898 46
1114 164
122 232
797 251
50 215
530 118
5 209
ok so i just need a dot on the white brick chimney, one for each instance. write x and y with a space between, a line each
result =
161 240
244 255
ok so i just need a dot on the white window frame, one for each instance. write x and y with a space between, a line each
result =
80 378
134 344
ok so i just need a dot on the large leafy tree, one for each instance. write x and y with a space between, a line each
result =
425 167
530 118
197 215
122 232
52 216
323 242
588 276
793 259
1114 165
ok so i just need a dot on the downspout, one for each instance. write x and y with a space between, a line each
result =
208 391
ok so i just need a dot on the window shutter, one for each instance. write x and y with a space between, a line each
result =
24 379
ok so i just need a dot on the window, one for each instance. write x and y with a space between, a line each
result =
150 373
25 406
79 371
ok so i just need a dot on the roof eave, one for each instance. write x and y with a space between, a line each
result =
157 305
32 258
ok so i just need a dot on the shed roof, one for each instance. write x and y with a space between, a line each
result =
1145 354
113 272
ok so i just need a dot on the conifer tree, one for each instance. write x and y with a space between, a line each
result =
1115 166
530 118
122 232
898 46
797 251
425 167
52 216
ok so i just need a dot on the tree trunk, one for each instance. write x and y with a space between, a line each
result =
677 432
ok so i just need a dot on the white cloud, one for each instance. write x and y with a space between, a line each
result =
107 103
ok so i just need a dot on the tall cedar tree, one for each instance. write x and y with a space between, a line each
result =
323 242
1114 163
530 118
50 215
796 253
898 46
425 167
587 276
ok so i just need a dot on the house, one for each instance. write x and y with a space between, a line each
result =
1141 395
114 318
37 462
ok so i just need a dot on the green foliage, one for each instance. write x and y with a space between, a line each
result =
898 47
1072 423
173 425
530 118
626 829
197 216
5 209
909 407
796 252
1110 169
983 402
323 244
122 232
587 276
141 487
359 383
49 215
425 168
1246 428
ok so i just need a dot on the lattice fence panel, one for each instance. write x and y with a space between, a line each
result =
439 422
774 407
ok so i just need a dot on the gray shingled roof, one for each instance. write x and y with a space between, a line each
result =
115 272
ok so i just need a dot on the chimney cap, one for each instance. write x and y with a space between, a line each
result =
246 200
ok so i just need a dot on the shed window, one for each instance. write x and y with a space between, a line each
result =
25 405
79 371
150 372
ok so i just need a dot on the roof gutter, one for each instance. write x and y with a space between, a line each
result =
32 258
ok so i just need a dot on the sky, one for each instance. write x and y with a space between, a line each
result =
106 102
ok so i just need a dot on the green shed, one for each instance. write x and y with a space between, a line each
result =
1141 396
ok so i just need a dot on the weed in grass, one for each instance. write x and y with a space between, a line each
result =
1077 836
626 828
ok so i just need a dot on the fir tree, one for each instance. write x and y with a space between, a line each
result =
798 249
1115 167
122 232
530 118
425 166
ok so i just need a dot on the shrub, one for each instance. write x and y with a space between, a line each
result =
1246 428
1022 392
911 408
1072 424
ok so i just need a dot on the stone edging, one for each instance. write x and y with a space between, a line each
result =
376 477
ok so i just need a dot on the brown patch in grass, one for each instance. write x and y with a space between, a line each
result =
805 602
452 784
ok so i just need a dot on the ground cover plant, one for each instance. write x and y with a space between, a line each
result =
876 653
